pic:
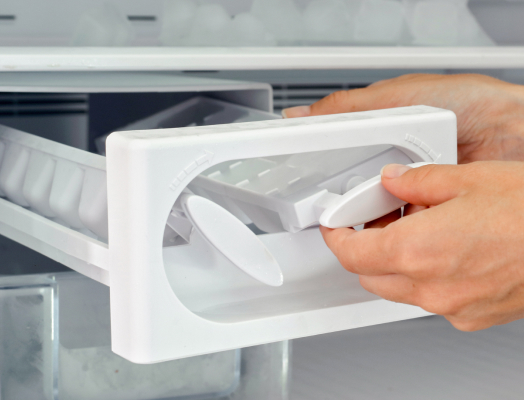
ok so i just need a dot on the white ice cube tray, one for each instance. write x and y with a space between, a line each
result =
179 301
285 192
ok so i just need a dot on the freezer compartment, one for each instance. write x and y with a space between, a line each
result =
55 343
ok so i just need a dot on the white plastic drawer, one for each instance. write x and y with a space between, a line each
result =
178 278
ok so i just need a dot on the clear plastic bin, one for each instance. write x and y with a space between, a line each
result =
55 344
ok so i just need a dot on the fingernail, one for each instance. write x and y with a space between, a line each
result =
392 171
294 112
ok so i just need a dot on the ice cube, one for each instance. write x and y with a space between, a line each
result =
444 23
328 21
353 6
247 30
282 18
210 26
379 22
433 22
102 26
177 17
470 33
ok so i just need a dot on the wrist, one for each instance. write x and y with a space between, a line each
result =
508 121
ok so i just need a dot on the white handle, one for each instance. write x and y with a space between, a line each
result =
366 202
232 238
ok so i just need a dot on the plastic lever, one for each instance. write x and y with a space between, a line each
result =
232 238
365 202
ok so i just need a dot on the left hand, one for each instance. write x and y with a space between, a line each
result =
459 252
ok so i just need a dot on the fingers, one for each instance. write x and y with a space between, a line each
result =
424 186
471 325
365 253
344 101
350 101
392 287
296 112
384 221
382 94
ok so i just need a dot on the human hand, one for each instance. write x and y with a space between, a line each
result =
489 111
460 250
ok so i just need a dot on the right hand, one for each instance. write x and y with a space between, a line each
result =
461 257
490 112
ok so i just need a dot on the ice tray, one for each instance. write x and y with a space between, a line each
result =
185 300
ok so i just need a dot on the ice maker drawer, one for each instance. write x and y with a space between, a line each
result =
186 298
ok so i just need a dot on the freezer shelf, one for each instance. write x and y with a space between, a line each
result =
162 36
425 358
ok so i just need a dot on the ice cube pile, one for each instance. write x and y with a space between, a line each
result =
293 22
323 22
103 26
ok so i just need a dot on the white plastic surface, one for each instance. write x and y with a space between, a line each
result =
184 300
256 95
366 202
426 358
256 58
55 201
197 111
290 192
232 238
207 304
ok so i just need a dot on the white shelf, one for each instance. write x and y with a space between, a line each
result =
251 58
424 358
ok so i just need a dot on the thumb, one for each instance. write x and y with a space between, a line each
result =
429 185
344 101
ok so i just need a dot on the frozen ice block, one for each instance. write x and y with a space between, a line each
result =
210 26
282 18
177 17
328 21
379 22
470 31
248 30
444 23
102 26
435 22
